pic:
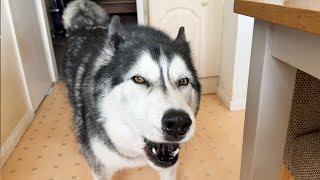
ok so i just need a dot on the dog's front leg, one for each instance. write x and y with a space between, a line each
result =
169 173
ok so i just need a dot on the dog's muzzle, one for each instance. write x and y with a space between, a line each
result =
162 154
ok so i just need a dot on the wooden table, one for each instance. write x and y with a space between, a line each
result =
286 38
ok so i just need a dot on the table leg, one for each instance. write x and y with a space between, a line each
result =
270 91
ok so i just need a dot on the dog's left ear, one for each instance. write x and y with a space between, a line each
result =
182 44
117 33
181 37
115 27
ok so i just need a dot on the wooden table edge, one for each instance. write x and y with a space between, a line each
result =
302 19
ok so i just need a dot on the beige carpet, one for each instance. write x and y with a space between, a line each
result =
48 150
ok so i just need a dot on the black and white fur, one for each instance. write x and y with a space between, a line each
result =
117 121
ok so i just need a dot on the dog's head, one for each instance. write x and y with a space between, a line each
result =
152 93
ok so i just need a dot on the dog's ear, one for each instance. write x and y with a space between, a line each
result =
182 44
117 33
181 37
115 27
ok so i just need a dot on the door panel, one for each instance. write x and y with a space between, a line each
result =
200 24
192 23
27 29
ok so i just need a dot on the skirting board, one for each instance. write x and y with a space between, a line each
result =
15 136
232 104
209 85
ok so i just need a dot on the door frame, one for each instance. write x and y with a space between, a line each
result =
143 12
46 38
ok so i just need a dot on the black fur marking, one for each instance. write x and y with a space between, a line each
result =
155 52
162 82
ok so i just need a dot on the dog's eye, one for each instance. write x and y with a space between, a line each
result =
138 79
183 82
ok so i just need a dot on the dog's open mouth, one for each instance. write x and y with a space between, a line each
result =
162 154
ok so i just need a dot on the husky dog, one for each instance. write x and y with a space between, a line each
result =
134 91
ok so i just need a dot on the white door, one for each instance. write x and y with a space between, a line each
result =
31 47
202 21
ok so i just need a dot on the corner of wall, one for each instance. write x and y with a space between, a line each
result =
238 104
235 59
221 93
231 103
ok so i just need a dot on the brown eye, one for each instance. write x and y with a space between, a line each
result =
138 79
184 82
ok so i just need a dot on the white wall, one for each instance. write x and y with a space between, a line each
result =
235 58
243 55
16 108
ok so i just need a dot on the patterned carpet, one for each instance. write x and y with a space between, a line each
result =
48 150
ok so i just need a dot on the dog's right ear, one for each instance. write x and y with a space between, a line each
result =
115 27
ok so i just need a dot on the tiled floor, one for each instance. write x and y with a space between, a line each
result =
48 150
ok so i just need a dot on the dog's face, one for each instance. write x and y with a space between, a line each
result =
151 100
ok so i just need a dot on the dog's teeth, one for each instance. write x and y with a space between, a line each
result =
176 152
154 151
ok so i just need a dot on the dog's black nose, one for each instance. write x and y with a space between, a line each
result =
175 124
